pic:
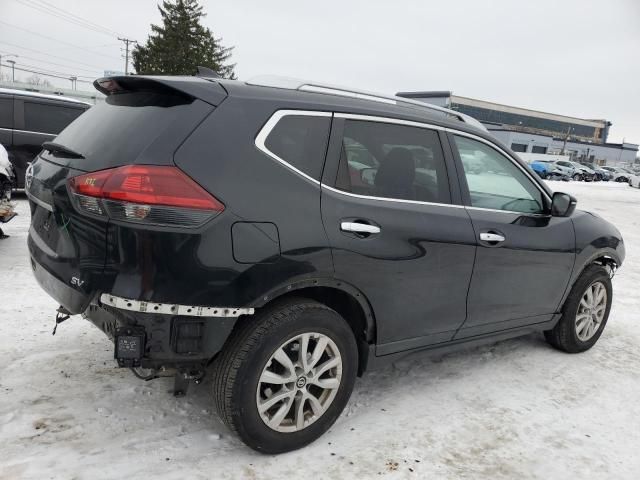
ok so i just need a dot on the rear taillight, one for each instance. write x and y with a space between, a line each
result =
147 194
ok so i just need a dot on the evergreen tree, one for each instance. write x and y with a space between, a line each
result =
181 44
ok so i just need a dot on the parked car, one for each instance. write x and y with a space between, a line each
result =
571 169
207 222
7 175
542 169
600 174
634 180
27 119
617 174
555 171
586 173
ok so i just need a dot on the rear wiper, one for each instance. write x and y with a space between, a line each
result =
57 148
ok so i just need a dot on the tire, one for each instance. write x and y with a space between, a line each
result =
250 355
568 335
577 177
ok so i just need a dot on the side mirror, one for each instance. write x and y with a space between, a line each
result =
562 204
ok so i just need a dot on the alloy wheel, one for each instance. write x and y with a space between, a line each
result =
299 382
591 310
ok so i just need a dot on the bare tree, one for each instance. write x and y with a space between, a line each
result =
35 79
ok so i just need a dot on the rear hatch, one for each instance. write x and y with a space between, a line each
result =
141 122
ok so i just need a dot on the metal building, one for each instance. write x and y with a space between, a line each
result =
531 131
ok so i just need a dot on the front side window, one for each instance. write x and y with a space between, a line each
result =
301 141
48 118
497 183
392 161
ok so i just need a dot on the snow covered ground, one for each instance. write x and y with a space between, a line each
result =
517 409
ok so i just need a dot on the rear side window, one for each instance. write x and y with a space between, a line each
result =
301 141
48 118
6 112
392 161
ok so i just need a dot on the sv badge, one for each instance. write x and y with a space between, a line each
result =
76 282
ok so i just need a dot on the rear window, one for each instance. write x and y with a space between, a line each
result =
48 118
301 141
6 112
118 130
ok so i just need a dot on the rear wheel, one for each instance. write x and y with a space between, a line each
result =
585 312
284 377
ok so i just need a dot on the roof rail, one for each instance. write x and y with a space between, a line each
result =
317 87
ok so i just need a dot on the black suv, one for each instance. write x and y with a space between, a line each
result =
286 236
28 119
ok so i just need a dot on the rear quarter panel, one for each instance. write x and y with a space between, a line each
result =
199 267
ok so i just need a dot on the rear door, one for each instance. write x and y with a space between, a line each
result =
396 228
525 257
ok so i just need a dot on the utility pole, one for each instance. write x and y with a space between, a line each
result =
564 145
13 70
6 55
126 53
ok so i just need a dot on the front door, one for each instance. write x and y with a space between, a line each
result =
396 232
525 257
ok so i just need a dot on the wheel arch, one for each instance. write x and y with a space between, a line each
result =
606 257
342 297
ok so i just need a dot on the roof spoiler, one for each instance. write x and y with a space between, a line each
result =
194 87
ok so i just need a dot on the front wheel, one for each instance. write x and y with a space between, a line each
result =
577 177
285 376
585 312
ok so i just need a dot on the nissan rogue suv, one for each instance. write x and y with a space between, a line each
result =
287 236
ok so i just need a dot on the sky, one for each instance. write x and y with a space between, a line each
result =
572 57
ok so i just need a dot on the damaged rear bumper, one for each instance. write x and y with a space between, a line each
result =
164 335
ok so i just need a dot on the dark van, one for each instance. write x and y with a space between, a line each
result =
28 119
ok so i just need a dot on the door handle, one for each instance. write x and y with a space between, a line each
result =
356 227
491 237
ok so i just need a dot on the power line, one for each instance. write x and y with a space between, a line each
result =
49 54
55 72
56 40
42 73
45 7
57 64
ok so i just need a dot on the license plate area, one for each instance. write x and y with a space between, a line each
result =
45 225
129 346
